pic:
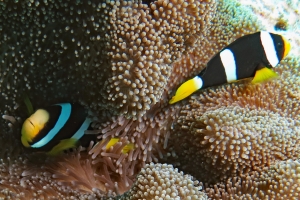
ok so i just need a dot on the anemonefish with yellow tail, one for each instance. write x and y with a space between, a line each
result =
253 55
59 127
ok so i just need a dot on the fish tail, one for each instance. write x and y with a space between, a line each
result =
112 142
127 148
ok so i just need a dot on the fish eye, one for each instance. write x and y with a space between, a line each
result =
279 45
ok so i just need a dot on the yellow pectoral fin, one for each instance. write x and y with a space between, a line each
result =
63 145
263 75
185 90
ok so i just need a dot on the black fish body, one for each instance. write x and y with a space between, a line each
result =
249 56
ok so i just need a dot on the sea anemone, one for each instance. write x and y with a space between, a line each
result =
123 60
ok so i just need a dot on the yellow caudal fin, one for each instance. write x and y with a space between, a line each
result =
186 89
112 142
127 148
263 75
63 145
287 47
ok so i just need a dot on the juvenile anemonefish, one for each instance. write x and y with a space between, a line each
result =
249 56
59 127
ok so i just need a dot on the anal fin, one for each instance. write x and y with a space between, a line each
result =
264 74
63 145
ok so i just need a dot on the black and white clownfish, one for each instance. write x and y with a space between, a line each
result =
59 127
55 128
252 55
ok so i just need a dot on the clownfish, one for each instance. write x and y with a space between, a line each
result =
59 127
252 55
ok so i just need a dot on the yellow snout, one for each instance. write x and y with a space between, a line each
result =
32 126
